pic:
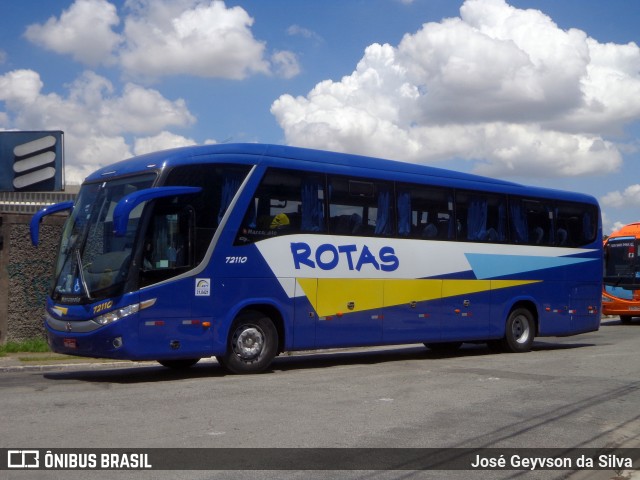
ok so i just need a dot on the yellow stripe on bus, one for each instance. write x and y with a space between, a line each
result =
331 296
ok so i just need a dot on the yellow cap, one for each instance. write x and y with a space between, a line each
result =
280 220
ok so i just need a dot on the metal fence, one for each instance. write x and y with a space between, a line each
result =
31 202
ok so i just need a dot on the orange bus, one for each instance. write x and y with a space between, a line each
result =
621 286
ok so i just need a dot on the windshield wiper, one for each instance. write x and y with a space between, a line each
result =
81 269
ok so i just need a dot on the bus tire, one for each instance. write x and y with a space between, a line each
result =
179 364
252 344
626 319
520 331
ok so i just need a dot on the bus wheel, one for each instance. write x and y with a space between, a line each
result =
179 364
626 319
520 331
252 344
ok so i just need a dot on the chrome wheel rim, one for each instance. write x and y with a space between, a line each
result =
248 342
520 329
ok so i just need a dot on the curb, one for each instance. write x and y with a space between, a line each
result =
16 365
64 366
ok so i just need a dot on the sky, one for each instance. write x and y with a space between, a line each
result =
538 92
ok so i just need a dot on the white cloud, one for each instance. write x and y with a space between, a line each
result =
616 226
502 87
297 30
611 89
162 141
95 119
609 226
85 31
20 87
630 196
161 38
285 64
205 39
141 110
85 154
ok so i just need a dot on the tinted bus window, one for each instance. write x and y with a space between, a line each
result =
425 212
284 203
481 217
361 207
576 224
538 222
219 185
531 221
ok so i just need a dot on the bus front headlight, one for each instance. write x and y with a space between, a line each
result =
117 314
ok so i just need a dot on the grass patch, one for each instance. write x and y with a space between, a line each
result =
45 358
27 346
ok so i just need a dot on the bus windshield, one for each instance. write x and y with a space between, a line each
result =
620 259
92 262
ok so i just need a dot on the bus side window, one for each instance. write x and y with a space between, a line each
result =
405 214
169 240
285 202
345 217
425 212
481 216
219 183
575 224
589 217
532 222
361 207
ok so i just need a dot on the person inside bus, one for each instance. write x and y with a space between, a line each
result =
561 236
349 224
538 235
147 258
491 235
280 222
430 231
172 255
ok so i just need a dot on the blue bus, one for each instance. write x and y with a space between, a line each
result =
243 252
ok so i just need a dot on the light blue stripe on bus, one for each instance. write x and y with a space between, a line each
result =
619 292
486 266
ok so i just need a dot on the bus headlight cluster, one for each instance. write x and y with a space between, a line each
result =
117 314
605 299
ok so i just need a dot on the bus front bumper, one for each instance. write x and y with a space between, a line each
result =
86 338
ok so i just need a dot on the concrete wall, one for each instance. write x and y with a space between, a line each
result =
25 274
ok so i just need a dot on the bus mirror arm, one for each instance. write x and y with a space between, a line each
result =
126 205
34 225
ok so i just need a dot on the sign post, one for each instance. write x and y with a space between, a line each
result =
31 161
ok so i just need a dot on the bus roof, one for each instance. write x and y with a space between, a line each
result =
319 160
631 230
